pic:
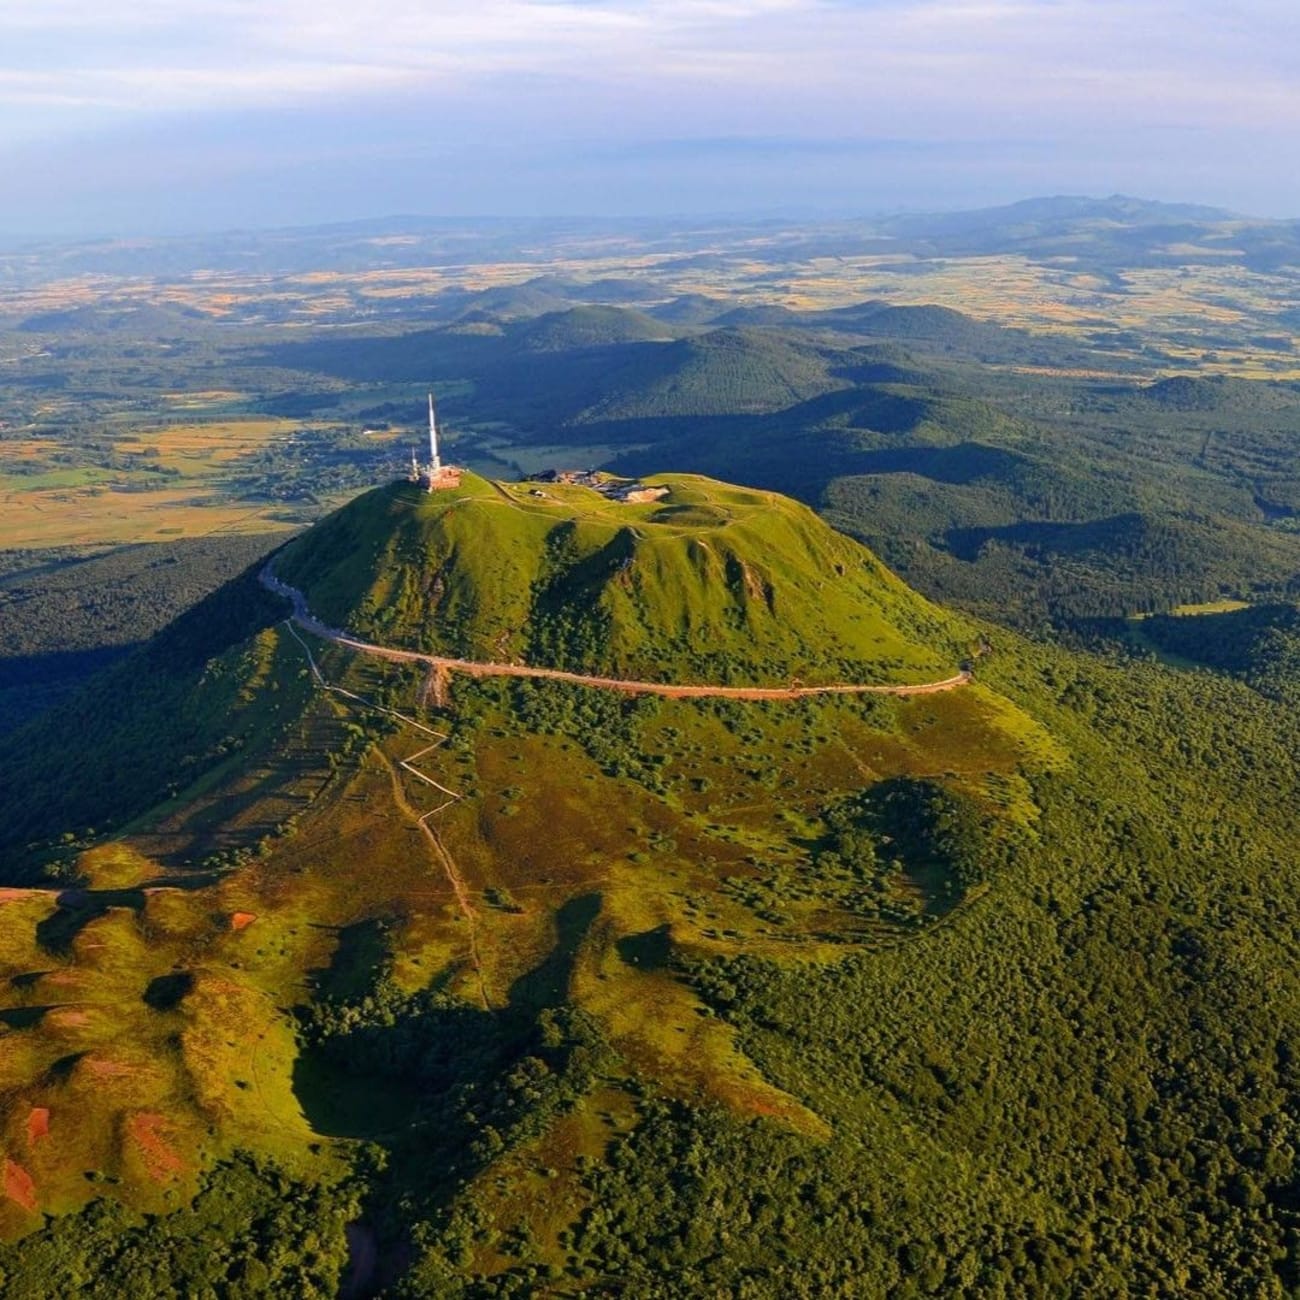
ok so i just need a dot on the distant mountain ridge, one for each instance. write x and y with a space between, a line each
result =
1120 208
407 241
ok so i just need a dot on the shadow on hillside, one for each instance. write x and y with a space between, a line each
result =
77 908
547 985
1116 533
392 1070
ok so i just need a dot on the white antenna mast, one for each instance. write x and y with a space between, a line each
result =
435 462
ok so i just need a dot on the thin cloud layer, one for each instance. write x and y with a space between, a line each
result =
146 56
566 76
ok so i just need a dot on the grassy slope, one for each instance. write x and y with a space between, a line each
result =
712 583
151 1024
145 985
824 1051
717 1056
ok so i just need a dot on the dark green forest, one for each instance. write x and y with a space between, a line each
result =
66 616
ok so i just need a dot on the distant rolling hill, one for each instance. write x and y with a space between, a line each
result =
1098 232
532 298
545 294
1028 215
721 372
1103 234
690 309
128 318
777 344
847 410
941 325
588 327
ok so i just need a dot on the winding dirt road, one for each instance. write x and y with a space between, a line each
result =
475 668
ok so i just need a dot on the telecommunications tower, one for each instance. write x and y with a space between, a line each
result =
435 461
435 476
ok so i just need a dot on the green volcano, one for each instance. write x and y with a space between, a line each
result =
709 583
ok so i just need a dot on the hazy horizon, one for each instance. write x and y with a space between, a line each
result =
231 114
631 222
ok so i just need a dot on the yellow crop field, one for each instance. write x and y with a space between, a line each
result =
196 449
87 506
1209 607
1060 295
98 516
21 449
205 398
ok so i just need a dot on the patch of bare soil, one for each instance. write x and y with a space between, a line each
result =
19 1187
161 1161
38 1125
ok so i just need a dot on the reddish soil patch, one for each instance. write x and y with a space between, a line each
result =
68 1018
38 1125
19 1187
103 1067
17 895
160 1160
242 920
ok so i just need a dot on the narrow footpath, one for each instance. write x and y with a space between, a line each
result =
459 889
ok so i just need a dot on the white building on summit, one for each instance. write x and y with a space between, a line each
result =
435 476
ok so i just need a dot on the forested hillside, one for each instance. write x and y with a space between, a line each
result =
991 467
64 617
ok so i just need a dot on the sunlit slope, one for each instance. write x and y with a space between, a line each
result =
480 931
711 583
537 858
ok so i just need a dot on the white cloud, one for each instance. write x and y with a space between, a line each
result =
148 55
922 68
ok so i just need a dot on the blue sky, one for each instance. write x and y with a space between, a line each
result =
156 115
